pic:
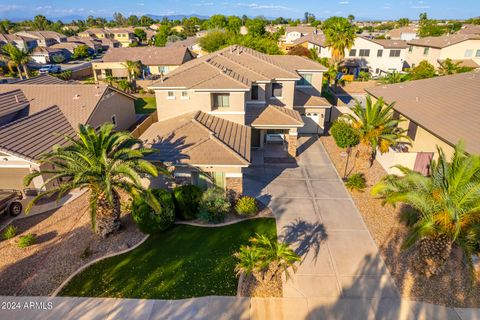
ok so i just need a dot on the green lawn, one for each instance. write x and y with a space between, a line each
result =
145 105
183 262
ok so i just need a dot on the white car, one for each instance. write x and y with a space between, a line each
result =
49 69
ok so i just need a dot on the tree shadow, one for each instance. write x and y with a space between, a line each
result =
170 148
304 236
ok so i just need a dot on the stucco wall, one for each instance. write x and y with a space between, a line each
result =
114 103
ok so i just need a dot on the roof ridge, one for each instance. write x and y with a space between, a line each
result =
220 67
243 66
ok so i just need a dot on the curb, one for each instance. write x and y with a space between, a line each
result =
64 283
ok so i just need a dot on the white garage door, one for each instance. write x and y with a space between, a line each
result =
12 178
311 120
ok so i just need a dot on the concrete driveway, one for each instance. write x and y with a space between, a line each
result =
316 214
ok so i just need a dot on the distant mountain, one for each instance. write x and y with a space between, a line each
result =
176 17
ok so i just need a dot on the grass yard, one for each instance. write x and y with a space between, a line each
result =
183 262
145 105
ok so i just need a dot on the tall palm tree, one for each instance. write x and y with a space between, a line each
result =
340 36
446 203
17 57
134 69
377 126
104 162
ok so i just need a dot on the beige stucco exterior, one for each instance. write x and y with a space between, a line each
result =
119 70
114 104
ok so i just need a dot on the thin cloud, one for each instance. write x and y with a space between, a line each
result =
264 6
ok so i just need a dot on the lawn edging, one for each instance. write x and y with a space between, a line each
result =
66 281
222 224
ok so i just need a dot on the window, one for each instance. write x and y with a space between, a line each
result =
477 54
108 72
221 100
114 120
353 53
410 49
468 53
170 95
379 53
394 53
306 80
254 92
364 53
426 51
185 95
163 69
412 130
277 90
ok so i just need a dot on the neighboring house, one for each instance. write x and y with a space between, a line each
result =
435 49
42 79
34 118
44 38
21 42
157 60
213 109
439 111
192 43
470 29
100 35
124 36
68 48
403 33
43 55
94 44
294 33
376 56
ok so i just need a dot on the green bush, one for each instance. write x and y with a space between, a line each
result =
149 221
344 134
356 182
187 199
26 241
214 205
246 206
9 232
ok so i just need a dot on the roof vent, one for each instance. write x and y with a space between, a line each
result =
16 99
76 96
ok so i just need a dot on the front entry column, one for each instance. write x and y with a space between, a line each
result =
292 142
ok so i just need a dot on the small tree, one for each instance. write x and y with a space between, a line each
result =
58 58
424 70
81 52
346 137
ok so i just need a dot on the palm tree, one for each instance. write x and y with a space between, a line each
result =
104 162
340 36
393 77
447 207
17 57
124 85
134 69
448 67
377 126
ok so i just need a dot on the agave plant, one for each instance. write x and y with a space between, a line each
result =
446 204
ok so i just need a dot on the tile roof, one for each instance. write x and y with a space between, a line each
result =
41 79
42 34
12 101
235 67
443 41
197 138
470 29
32 136
189 42
167 56
314 38
301 29
470 63
397 33
389 44
273 116
304 98
447 106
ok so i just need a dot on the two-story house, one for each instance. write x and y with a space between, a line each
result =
21 42
214 109
124 36
44 38
458 47
293 33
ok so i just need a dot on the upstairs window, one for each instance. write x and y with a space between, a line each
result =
185 95
426 51
477 54
306 80
353 53
364 53
410 49
254 92
221 100
277 90
380 53
170 95
394 53
468 53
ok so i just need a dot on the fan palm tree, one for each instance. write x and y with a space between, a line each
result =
446 203
134 69
104 162
448 67
377 126
17 57
340 36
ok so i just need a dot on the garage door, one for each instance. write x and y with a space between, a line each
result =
311 121
12 178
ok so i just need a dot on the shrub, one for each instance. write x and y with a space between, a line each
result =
26 241
356 182
187 199
246 206
149 221
9 232
214 205
344 134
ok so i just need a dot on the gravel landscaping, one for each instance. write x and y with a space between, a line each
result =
65 242
451 288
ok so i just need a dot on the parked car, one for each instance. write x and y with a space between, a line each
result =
10 202
50 69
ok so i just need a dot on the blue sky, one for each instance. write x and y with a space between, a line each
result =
371 9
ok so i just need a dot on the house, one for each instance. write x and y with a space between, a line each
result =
377 56
192 43
404 33
36 117
99 35
294 33
436 49
44 38
438 112
157 60
93 44
469 29
213 110
21 42
125 36
44 55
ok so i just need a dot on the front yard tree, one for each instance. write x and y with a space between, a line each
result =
376 125
346 137
424 70
17 57
105 163
447 207
134 70
340 36
81 52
